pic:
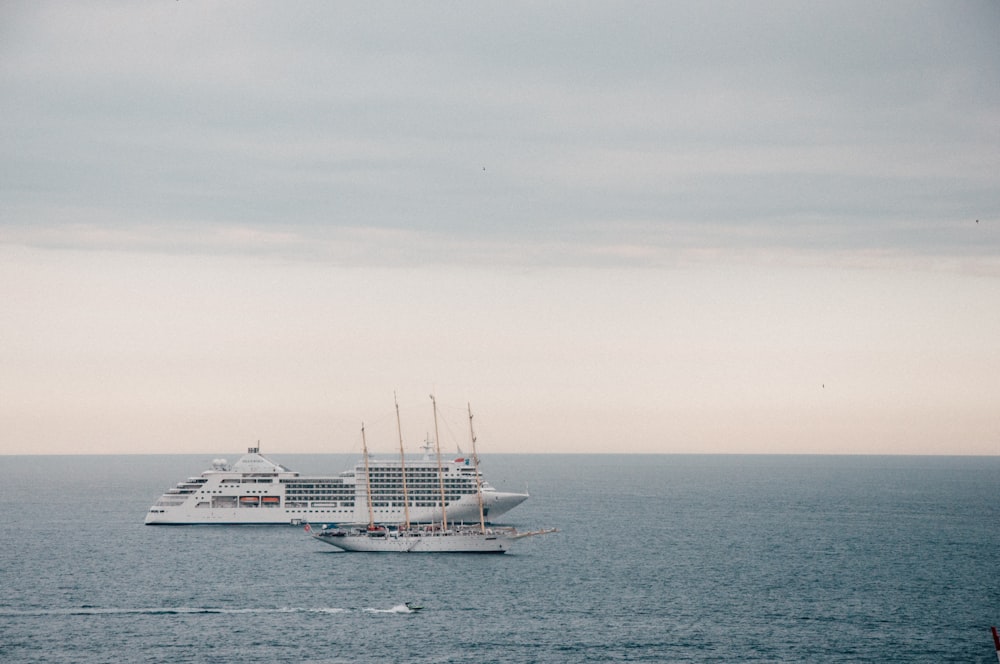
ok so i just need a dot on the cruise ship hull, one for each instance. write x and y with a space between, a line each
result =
466 511
257 491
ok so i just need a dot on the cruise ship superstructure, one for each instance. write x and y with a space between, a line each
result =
256 490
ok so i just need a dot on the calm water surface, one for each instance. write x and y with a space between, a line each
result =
659 559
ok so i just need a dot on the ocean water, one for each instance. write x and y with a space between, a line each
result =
659 559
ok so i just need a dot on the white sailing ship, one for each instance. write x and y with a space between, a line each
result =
257 490
435 538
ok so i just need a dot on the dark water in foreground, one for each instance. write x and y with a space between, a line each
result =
660 558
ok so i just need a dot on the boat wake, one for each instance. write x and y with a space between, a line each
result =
186 610
399 608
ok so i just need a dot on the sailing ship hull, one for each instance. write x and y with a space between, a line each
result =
419 543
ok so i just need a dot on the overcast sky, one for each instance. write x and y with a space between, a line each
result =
641 227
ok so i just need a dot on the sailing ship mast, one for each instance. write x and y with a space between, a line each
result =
402 467
368 480
437 446
479 479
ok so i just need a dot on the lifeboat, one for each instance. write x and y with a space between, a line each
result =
249 501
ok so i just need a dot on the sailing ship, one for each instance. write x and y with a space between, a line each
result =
435 538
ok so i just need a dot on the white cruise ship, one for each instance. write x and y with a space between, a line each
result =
256 490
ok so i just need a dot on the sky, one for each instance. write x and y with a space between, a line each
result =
664 227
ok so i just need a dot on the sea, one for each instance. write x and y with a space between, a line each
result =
672 558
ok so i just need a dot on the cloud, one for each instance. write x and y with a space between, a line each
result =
634 133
